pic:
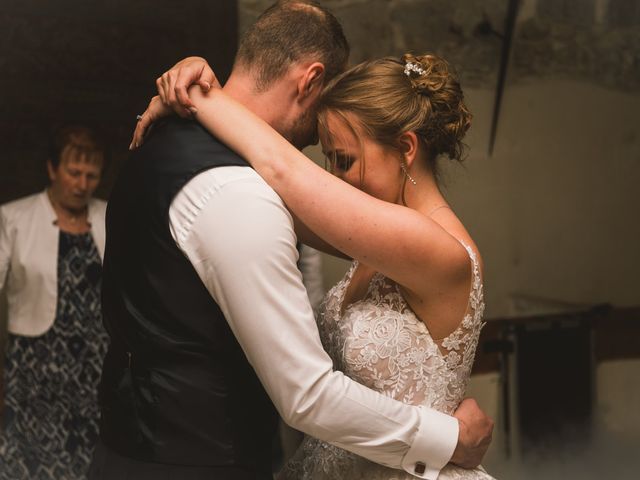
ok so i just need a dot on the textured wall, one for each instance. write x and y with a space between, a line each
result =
593 40
549 206
377 28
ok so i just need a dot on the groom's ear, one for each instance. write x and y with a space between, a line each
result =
311 82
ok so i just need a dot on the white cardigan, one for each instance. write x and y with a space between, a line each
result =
29 259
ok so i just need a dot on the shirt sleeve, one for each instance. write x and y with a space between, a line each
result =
310 265
5 249
239 237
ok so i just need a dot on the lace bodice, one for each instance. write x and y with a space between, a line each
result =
380 342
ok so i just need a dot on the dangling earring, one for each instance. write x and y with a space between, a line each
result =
403 167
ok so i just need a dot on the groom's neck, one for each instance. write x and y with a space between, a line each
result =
271 105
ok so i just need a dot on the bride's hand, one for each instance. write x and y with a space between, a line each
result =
173 93
155 111
173 85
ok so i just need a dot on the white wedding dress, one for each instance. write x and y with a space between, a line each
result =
379 342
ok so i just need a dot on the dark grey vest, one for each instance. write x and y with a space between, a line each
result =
176 387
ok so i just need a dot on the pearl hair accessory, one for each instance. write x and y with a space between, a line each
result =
413 67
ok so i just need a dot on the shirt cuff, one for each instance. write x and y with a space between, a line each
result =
433 445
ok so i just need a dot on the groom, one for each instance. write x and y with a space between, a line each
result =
209 321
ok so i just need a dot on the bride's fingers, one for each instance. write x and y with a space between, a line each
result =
166 85
160 88
208 79
154 111
138 133
204 85
167 92
200 74
182 97
183 101
209 76
170 79
181 87
206 82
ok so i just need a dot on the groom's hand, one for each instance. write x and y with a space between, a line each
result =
475 434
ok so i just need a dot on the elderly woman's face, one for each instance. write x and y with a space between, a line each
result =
76 178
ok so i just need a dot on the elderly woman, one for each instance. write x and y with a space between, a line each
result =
51 247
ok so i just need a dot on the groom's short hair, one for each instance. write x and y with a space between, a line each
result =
287 32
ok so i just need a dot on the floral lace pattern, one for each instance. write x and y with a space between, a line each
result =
379 342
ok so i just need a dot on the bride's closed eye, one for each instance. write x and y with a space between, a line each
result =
341 162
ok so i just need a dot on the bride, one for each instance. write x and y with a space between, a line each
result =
406 317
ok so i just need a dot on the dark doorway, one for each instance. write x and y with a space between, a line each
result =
555 382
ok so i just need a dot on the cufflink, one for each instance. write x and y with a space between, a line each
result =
420 468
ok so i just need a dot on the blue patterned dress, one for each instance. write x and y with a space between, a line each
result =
50 421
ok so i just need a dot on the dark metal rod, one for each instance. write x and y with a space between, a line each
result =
510 23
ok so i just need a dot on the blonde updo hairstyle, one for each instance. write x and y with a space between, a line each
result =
388 102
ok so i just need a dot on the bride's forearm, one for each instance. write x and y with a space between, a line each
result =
272 156
287 170
308 237
389 238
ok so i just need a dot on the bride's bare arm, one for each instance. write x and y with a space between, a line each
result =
158 108
306 236
393 239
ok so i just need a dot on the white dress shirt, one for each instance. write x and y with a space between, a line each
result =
310 264
29 240
239 236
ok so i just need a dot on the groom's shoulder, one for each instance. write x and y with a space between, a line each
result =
186 138
178 129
